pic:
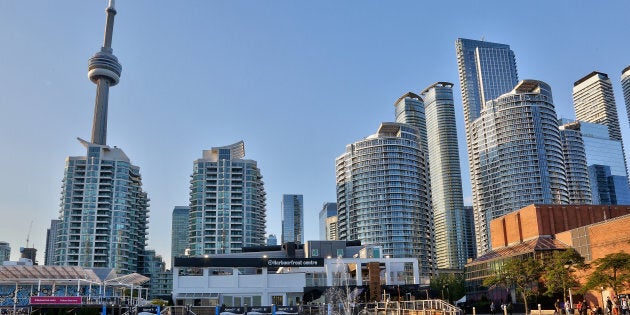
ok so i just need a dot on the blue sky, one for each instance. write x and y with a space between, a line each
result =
296 80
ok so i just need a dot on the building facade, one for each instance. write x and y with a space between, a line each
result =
625 85
383 194
104 211
227 202
594 102
446 180
486 71
292 207
517 157
179 231
328 221
51 237
575 163
5 252
272 240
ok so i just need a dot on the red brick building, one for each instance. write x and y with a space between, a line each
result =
538 230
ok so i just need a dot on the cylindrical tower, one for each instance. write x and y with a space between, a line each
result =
104 70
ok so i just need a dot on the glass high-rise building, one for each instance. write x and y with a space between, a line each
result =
272 240
227 202
292 207
51 237
594 102
328 221
446 180
486 71
517 156
179 231
575 163
104 210
604 163
625 86
383 194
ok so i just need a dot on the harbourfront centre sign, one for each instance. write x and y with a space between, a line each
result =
247 262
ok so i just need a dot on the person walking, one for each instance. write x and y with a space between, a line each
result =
492 308
584 308
568 307
609 306
556 305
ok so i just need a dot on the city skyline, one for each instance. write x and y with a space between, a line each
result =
190 85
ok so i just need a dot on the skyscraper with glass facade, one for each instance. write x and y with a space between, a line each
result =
575 163
104 211
383 194
608 180
625 86
517 156
179 231
227 202
594 102
328 221
486 71
292 207
446 181
51 238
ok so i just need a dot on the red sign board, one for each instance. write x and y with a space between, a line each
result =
56 300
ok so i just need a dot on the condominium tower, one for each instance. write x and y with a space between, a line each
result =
5 251
104 211
227 202
292 207
625 86
594 102
446 180
575 164
517 156
179 231
383 194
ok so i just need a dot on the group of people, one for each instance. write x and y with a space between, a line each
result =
505 308
620 306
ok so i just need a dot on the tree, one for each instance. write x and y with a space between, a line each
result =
611 271
559 273
452 285
520 273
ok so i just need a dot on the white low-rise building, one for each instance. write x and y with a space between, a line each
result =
287 275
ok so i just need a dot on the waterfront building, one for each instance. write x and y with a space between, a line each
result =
517 157
293 275
538 231
104 211
469 231
575 163
227 202
179 231
446 180
383 196
51 237
328 221
5 251
292 210
625 85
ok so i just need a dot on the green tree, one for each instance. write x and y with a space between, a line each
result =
611 271
452 285
559 273
520 273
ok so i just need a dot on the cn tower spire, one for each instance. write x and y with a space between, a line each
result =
104 70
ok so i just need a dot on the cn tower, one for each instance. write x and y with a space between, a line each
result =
104 70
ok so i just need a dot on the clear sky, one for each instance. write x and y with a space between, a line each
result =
296 80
